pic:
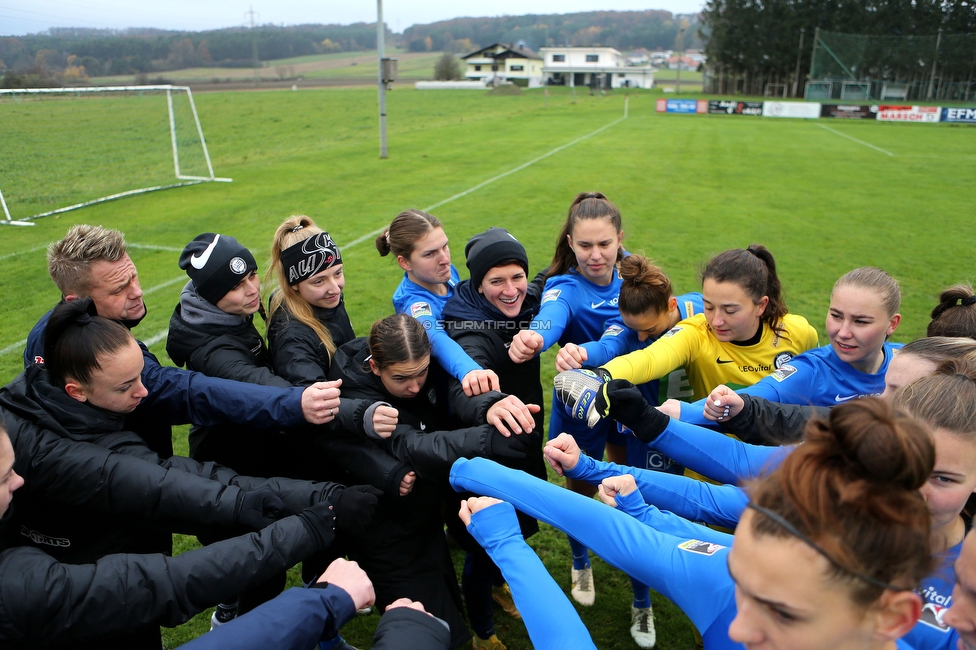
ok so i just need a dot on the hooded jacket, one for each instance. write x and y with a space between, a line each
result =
486 334
119 498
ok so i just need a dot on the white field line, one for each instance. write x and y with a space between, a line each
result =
23 252
853 139
482 184
159 336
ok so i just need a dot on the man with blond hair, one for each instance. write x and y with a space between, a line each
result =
91 262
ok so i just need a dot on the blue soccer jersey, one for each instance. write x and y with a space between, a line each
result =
412 299
574 310
817 377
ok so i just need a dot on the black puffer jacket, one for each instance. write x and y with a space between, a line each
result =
297 354
427 437
44 603
120 498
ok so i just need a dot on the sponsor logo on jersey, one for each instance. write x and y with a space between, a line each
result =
671 332
594 305
613 302
932 616
783 372
551 295
699 547
844 398
613 330
46 540
419 309
782 359
720 360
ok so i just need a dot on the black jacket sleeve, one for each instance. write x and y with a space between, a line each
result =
762 422
403 628
84 474
471 411
43 601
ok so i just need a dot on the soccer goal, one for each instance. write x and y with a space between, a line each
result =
67 148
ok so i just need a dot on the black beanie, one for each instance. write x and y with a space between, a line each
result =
492 248
216 264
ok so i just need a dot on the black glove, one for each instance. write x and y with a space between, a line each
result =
319 521
354 507
629 408
514 447
259 508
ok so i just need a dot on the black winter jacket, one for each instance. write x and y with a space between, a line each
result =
119 497
486 334
45 603
297 354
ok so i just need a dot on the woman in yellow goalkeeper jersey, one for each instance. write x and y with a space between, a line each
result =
744 334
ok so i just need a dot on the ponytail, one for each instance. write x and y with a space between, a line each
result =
644 287
955 315
404 232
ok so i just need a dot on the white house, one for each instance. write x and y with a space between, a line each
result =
500 63
595 67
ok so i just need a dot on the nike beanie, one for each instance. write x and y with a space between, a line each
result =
216 264
491 248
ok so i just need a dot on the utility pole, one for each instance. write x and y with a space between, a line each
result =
938 42
254 45
380 35
680 42
796 74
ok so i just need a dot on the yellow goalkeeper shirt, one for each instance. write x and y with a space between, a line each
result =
710 362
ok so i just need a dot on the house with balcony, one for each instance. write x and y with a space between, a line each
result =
593 67
500 63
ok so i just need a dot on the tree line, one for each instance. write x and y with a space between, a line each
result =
72 54
755 41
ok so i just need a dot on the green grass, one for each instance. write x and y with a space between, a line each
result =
688 187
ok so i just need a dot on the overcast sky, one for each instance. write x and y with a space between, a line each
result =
29 17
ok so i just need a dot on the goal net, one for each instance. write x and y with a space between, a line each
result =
67 148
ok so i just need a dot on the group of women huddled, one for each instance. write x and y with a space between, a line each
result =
847 485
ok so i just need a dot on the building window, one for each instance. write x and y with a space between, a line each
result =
558 58
494 68
592 58
517 68
477 68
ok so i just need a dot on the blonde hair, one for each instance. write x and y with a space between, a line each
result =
293 230
876 281
69 261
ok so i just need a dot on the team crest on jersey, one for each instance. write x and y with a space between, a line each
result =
419 309
699 547
783 372
613 330
782 359
550 295
932 616
671 332
432 396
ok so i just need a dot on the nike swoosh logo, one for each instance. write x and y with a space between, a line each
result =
594 305
721 360
200 261
840 399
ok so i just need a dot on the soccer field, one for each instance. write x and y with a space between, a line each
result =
824 196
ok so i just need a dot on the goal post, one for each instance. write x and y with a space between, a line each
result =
68 148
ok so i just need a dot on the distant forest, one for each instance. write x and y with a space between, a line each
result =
72 55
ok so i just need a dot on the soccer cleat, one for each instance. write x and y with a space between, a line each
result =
578 390
503 596
583 591
642 626
491 643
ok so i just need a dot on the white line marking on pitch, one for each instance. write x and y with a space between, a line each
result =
482 184
853 139
159 336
